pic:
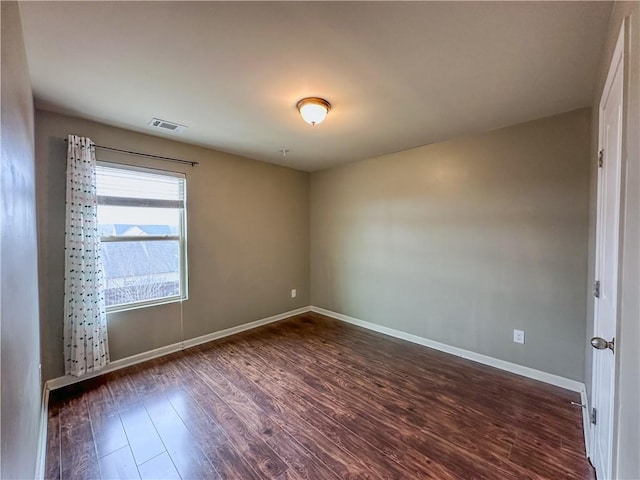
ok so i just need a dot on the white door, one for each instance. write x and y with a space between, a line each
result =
606 288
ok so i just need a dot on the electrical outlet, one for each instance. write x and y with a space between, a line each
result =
518 336
294 293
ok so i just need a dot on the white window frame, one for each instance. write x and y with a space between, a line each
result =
182 237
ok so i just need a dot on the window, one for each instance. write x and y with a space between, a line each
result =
142 226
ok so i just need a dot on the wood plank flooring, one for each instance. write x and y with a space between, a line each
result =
313 398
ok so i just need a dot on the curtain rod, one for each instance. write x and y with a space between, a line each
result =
157 157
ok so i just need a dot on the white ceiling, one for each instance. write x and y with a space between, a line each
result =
398 74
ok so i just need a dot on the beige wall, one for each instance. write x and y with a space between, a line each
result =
463 241
248 239
627 443
21 395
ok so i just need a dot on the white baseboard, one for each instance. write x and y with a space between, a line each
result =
528 372
586 420
159 352
42 435
545 377
241 328
459 352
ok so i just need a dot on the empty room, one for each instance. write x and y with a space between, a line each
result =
320 240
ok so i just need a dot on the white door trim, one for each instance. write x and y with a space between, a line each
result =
616 68
616 62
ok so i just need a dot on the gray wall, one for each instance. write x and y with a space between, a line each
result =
248 239
21 394
627 450
463 241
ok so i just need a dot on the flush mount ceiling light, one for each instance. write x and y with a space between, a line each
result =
313 109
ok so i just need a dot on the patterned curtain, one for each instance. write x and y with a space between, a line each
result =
85 321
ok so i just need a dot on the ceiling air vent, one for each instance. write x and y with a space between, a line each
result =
166 126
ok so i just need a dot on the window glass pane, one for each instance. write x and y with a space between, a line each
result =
138 221
141 203
140 271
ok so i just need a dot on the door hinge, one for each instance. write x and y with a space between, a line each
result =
601 158
594 416
596 289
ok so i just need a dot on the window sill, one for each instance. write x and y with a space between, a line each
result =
151 303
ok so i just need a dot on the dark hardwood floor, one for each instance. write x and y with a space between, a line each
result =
313 398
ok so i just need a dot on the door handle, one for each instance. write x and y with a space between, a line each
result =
600 343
